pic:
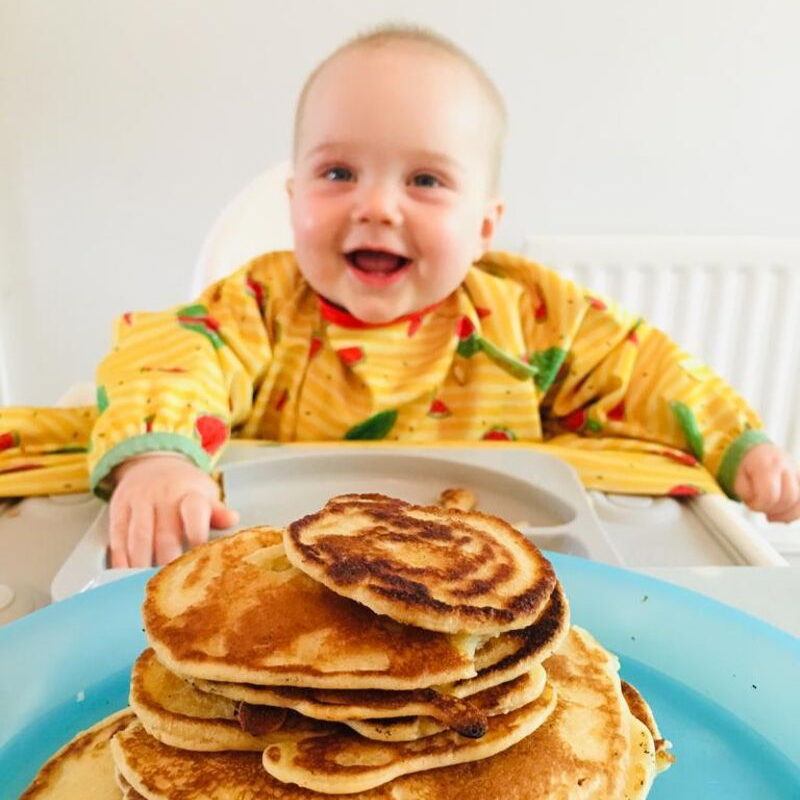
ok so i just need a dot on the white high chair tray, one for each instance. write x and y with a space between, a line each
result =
540 495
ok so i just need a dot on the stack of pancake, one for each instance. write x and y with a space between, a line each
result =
375 649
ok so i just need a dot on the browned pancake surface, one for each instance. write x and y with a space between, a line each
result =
580 753
218 613
640 709
435 568
85 758
510 655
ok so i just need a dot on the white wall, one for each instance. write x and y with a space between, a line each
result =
125 125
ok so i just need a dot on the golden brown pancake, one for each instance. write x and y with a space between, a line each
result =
434 568
179 715
533 645
500 699
459 499
341 705
642 761
512 654
343 762
581 752
128 792
641 710
235 610
83 768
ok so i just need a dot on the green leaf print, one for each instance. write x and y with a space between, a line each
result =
468 347
547 362
376 427
594 426
690 428
102 399
514 366
195 318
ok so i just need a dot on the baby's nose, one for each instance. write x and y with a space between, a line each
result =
379 204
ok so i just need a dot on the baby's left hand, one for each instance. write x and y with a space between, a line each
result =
768 481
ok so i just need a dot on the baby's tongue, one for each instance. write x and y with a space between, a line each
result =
375 261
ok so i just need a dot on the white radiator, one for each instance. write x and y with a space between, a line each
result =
734 302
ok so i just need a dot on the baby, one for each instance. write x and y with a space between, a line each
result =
392 320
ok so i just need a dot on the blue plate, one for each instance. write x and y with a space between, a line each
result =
723 686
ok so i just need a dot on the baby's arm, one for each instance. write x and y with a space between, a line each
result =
161 503
606 372
176 382
767 480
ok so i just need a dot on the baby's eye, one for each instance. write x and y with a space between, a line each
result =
426 180
338 174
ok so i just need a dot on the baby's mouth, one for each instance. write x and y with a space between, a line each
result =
376 262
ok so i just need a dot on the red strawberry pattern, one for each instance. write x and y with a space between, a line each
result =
576 421
257 290
499 434
595 302
213 432
540 309
350 356
682 458
439 410
684 490
8 440
464 328
314 347
617 414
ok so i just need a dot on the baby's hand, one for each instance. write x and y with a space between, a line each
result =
160 502
768 481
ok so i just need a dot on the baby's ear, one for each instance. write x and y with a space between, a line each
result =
290 187
491 219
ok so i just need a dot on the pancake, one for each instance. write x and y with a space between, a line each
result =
642 768
434 568
512 654
459 499
83 768
498 700
179 715
641 710
156 771
583 751
128 792
533 645
341 763
159 772
334 705
236 610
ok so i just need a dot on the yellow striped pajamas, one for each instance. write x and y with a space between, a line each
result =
516 354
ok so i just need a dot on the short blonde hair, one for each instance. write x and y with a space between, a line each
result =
398 33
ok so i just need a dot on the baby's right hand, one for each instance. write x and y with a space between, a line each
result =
162 501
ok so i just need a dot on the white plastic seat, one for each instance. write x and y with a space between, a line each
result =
256 221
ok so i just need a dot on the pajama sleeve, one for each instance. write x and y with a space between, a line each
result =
180 380
605 372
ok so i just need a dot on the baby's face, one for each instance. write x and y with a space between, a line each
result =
391 198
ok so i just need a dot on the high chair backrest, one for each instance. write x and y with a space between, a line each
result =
256 221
